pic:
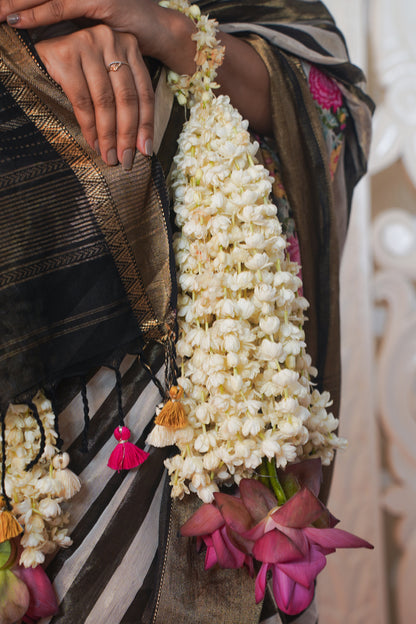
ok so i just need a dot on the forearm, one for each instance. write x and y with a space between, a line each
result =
243 75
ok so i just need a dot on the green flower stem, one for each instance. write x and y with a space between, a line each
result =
275 483
264 475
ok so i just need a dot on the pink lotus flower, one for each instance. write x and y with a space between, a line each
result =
42 601
291 540
26 594
221 540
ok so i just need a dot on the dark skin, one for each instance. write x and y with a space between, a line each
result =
115 110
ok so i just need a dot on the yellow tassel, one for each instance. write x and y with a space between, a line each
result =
9 526
172 415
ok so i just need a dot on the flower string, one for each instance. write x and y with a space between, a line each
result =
209 56
245 370
36 494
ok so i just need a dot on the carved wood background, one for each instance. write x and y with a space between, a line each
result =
374 489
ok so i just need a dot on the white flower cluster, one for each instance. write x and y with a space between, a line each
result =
245 371
37 494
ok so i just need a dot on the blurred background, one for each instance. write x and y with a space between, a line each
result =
374 488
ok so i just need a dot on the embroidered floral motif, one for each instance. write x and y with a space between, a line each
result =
332 112
324 90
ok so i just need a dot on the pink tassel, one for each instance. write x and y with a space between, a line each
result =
126 455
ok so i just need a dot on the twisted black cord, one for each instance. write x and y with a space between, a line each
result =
39 454
86 407
151 374
52 397
119 389
3 462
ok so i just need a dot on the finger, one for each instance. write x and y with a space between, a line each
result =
72 80
146 102
33 13
79 95
127 111
104 104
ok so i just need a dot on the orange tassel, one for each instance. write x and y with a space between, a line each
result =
9 526
172 415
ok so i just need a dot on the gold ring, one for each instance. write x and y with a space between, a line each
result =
115 65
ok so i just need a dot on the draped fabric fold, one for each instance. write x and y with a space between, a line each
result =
78 286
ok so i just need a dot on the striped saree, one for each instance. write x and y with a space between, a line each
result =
87 284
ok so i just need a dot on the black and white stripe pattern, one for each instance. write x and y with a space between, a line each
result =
110 570
115 517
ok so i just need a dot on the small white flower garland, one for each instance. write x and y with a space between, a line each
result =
37 494
245 371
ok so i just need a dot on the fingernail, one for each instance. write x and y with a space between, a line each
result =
127 161
13 18
112 157
97 147
148 147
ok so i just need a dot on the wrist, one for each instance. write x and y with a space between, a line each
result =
173 45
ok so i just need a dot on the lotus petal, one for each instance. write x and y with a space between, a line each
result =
326 519
257 498
43 601
298 538
204 521
323 550
308 474
307 569
250 565
234 512
291 597
257 531
211 558
228 555
275 547
299 511
335 538
261 579
241 542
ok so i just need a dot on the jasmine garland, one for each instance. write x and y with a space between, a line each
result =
37 494
246 373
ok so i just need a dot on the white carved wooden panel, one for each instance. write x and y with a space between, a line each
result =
374 489
392 32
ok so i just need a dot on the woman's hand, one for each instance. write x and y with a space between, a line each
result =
158 30
113 108
165 35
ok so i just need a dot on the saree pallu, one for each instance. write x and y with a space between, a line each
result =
78 287
127 563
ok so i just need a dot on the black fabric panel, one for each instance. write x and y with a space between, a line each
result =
169 145
85 312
